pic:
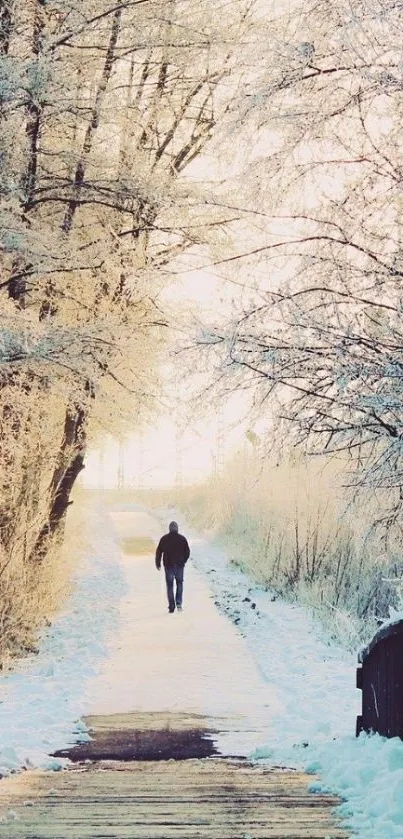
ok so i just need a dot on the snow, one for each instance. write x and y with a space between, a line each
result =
310 682
43 699
395 618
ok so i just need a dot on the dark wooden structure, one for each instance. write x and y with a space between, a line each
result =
380 678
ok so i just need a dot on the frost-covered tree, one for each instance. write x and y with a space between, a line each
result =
103 107
322 203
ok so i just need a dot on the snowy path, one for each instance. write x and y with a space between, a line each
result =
194 662
281 692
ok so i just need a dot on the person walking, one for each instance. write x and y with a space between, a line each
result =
174 551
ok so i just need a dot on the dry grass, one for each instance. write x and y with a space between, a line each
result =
290 527
30 594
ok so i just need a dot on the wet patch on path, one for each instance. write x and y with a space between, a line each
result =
136 546
144 737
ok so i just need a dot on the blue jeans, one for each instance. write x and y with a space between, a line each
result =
174 574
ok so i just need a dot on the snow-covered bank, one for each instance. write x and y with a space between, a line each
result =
291 656
44 697
316 682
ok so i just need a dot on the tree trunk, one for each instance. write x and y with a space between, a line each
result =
69 465
94 122
5 26
26 43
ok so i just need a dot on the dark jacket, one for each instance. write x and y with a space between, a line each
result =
174 550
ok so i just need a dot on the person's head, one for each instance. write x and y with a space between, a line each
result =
173 527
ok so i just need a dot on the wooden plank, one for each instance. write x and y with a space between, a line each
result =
194 799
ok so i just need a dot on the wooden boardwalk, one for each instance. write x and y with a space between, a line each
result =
122 786
193 799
